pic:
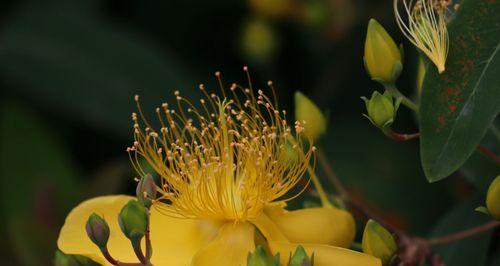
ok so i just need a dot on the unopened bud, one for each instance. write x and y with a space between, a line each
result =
378 242
300 258
146 190
421 70
381 109
97 230
276 9
493 198
307 111
259 41
260 258
133 220
383 60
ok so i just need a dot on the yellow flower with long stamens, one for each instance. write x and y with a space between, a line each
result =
226 174
425 27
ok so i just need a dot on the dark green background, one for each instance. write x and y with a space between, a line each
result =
69 70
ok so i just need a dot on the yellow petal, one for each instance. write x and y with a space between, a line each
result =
229 248
268 227
73 238
176 240
327 226
325 255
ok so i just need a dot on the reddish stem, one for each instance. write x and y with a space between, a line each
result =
401 137
490 154
463 234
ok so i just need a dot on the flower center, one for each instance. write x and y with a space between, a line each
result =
225 160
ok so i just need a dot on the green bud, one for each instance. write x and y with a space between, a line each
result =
97 230
146 190
378 242
381 109
493 198
260 258
133 220
300 258
383 59
307 111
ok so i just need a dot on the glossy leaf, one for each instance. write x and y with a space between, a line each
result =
458 106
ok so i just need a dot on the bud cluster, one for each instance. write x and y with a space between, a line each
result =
133 220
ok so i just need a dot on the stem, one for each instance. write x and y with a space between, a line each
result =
404 100
337 184
399 136
136 244
490 154
463 234
319 188
149 249
107 256
345 195
110 259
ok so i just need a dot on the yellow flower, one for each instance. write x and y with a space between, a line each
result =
383 60
226 174
425 27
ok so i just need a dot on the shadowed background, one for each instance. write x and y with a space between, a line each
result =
69 70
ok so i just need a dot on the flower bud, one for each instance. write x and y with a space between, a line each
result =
381 109
146 190
276 9
421 70
260 258
97 230
300 258
133 220
306 111
493 198
383 60
259 41
378 242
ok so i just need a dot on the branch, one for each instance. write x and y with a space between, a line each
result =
490 154
345 195
399 136
463 234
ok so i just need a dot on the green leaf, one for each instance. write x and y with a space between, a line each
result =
458 106
82 65
38 184
62 259
469 251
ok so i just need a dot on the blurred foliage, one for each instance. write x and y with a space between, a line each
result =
69 70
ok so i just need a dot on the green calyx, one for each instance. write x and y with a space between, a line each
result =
381 109
300 258
261 258
378 242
